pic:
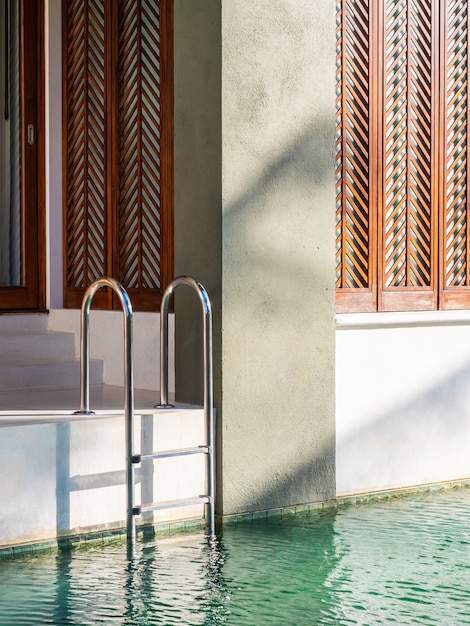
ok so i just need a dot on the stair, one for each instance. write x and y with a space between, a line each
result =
32 357
85 481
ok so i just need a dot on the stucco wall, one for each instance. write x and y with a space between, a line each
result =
403 400
198 218
278 252
254 218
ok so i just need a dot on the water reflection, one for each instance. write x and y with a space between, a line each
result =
63 586
406 561
215 603
278 571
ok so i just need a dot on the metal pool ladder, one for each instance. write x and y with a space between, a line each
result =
209 423
209 419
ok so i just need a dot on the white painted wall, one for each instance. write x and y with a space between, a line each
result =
60 479
402 400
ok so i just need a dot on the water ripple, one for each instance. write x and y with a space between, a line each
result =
403 561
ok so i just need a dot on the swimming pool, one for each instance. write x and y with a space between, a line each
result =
399 561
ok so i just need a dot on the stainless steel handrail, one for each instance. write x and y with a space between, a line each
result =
128 379
208 379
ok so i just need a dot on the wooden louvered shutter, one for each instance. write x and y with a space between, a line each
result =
356 244
454 156
85 149
402 216
144 149
408 205
386 221
118 145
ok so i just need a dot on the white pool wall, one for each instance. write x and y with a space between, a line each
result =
68 478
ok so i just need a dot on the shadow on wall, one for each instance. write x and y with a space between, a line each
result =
277 235
97 498
276 231
311 481
278 295
306 161
268 254
72 487
424 440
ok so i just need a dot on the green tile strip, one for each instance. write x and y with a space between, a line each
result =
195 525
402 493
342 501
117 535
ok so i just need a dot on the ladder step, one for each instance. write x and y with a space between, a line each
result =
169 504
165 454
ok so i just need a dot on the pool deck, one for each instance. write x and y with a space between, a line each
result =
48 405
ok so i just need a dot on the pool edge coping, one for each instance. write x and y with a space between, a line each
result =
345 500
161 530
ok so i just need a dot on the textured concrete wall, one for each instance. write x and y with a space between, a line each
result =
198 218
278 272
260 237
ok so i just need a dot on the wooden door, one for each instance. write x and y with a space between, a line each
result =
118 148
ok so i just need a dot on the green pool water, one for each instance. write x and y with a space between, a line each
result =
400 561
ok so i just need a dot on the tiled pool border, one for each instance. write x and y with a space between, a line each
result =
184 527
344 501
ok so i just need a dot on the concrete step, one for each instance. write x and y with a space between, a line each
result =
46 374
32 345
11 323
32 357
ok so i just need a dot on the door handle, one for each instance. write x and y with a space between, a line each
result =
31 134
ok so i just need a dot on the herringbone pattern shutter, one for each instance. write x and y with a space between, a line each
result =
355 245
408 274
139 131
119 147
455 263
85 148
389 171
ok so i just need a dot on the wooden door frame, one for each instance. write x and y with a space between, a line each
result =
31 295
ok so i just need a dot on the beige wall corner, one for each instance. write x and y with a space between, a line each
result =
265 244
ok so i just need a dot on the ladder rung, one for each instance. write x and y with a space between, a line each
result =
169 504
165 454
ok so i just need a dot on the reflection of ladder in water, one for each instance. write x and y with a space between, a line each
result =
134 459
